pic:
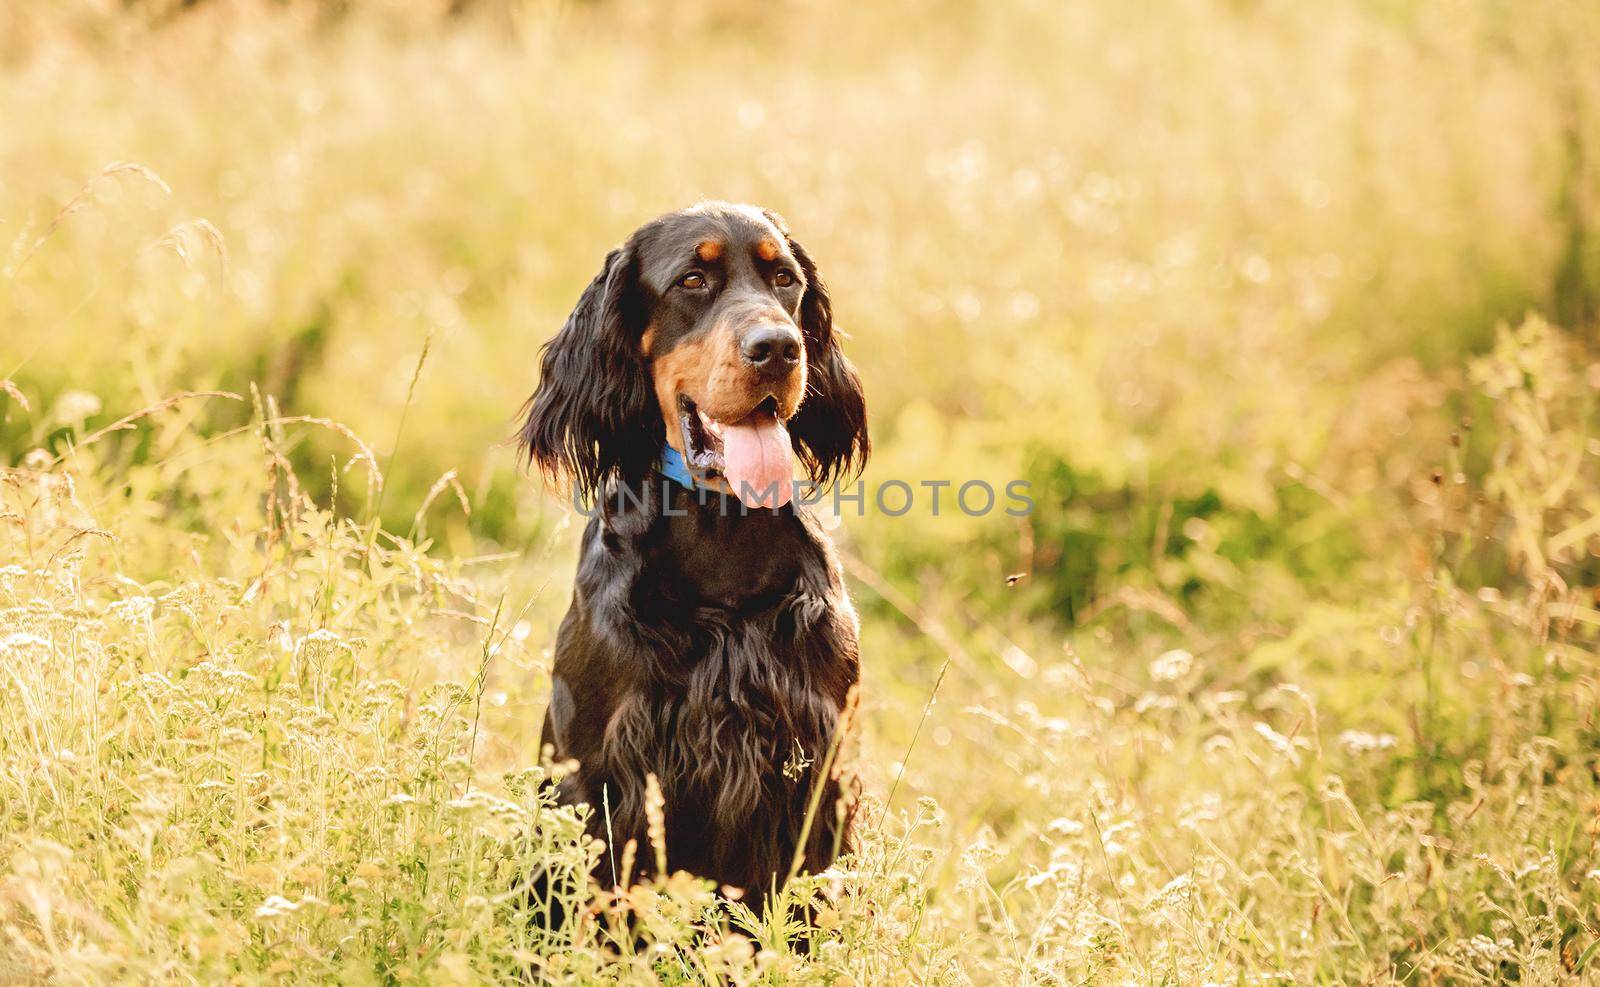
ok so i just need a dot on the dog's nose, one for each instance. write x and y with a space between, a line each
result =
773 350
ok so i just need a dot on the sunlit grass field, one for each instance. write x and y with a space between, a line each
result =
1287 311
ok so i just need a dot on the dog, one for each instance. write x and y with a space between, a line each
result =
710 641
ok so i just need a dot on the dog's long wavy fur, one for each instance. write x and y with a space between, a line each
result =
716 651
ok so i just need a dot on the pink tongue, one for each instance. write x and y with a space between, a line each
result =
756 458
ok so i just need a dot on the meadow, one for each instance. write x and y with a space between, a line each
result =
1287 312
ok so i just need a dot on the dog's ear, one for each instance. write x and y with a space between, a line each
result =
594 412
830 429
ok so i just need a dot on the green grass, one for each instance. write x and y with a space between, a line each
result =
1296 679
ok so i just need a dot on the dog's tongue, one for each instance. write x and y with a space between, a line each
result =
756 460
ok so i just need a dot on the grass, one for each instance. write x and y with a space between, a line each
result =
1286 312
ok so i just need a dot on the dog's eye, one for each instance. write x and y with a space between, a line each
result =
783 279
693 280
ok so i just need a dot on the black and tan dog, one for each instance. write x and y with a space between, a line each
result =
710 640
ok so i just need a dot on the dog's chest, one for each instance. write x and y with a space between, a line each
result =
709 555
740 604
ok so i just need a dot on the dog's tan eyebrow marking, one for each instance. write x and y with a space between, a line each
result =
708 250
767 249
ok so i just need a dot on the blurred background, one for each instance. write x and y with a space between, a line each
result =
1170 262
1220 278
1189 263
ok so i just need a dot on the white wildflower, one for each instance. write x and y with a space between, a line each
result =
1064 827
975 864
1358 742
1483 949
1283 745
1172 665
1060 872
72 407
22 643
1175 893
476 798
133 609
277 906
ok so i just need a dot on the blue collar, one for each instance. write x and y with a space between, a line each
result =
675 468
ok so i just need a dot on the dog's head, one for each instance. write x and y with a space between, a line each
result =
709 330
